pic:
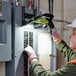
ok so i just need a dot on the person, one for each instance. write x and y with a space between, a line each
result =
69 52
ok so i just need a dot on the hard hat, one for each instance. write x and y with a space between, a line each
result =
73 24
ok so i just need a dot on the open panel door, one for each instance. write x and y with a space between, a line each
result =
5 31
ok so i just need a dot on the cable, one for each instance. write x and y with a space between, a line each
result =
62 21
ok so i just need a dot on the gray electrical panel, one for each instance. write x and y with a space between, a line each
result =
18 15
5 31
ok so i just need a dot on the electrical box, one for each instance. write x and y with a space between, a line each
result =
5 31
18 15
30 9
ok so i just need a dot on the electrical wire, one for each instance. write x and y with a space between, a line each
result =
62 21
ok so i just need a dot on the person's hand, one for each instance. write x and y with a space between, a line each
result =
52 25
54 34
31 53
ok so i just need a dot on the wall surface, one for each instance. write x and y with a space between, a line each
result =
69 9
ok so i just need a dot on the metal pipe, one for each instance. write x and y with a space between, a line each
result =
50 8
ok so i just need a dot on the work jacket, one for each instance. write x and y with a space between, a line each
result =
69 69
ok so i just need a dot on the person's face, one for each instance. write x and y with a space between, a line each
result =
73 39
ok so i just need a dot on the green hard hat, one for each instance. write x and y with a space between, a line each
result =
41 21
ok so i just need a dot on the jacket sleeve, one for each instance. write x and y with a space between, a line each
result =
38 70
65 50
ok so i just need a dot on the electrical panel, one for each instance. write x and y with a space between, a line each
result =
30 9
18 15
5 31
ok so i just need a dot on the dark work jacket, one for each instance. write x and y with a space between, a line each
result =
69 69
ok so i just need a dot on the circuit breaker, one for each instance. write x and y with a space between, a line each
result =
28 40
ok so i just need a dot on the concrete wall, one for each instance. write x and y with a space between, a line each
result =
44 6
69 9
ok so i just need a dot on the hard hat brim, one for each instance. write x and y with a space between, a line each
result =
71 25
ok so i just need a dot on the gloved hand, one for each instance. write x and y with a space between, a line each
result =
52 25
54 33
31 53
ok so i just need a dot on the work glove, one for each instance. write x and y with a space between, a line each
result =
54 33
31 53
